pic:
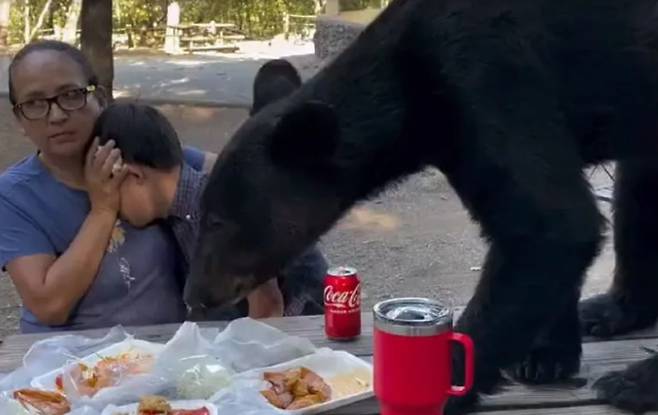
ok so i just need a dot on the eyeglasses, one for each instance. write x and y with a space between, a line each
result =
71 100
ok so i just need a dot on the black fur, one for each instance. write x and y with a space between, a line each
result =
275 79
634 389
511 100
631 302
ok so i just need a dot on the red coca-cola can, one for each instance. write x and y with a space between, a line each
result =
342 304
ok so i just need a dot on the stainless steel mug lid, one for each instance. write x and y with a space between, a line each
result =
412 317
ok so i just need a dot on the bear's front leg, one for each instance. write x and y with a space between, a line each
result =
514 303
533 271
556 353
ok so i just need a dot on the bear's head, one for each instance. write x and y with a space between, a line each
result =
271 194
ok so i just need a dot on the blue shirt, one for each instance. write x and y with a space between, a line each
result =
139 279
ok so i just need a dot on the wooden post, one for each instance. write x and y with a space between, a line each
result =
332 8
172 34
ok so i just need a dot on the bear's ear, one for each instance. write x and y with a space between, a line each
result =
275 80
306 133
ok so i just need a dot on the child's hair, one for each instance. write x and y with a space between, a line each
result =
56 46
142 133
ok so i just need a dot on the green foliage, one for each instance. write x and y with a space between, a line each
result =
15 24
255 18
139 13
348 5
56 17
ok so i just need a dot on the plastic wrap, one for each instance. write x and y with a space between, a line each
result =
223 368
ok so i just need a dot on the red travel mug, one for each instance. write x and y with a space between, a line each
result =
413 339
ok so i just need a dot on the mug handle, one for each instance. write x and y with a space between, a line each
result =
467 343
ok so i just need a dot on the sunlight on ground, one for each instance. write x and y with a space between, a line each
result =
179 81
192 114
274 48
186 62
368 219
360 16
192 92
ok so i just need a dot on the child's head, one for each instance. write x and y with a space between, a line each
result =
152 151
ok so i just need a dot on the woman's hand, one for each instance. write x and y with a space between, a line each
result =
104 172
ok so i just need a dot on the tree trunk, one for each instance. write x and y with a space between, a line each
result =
26 21
5 7
70 33
96 40
40 21
319 5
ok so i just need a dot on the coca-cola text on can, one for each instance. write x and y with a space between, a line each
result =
342 303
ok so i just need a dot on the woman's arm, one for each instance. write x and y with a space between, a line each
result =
52 286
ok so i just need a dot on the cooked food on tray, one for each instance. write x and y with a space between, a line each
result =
109 371
42 402
158 405
350 383
296 389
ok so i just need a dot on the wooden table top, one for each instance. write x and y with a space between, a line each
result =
598 358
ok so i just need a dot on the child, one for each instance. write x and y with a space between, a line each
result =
161 186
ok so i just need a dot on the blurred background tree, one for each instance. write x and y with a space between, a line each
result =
97 26
140 19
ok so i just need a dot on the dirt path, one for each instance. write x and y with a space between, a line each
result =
415 239
198 78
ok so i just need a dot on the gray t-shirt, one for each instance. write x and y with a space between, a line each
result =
139 281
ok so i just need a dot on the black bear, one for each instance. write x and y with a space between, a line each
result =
511 100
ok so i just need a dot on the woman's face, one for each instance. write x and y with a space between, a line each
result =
46 74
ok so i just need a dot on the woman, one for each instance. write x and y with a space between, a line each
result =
74 264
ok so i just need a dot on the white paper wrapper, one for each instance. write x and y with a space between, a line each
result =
247 344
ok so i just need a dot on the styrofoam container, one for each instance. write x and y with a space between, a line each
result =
328 364
132 408
47 381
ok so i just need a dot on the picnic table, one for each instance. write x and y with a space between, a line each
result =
199 37
569 399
